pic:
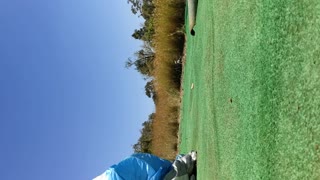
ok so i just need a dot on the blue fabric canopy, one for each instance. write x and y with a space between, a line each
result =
139 166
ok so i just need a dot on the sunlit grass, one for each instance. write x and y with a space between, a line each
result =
254 111
168 45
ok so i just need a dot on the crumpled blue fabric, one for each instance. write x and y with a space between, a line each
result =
139 166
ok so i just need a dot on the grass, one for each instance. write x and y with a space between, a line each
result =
168 45
254 111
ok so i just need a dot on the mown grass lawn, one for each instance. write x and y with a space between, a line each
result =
254 111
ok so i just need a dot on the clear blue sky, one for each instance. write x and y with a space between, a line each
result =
68 107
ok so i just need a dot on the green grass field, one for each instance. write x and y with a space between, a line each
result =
254 111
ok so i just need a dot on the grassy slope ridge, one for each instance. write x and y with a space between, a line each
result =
254 112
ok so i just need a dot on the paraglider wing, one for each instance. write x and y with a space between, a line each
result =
136 167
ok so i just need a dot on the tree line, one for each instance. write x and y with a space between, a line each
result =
144 58
143 61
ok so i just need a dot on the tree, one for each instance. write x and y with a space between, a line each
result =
143 8
136 6
145 141
144 61
139 33
150 90
147 9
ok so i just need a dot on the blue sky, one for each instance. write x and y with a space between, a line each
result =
68 107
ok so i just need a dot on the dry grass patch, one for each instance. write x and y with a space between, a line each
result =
168 45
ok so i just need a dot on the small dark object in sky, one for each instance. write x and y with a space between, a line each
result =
193 33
